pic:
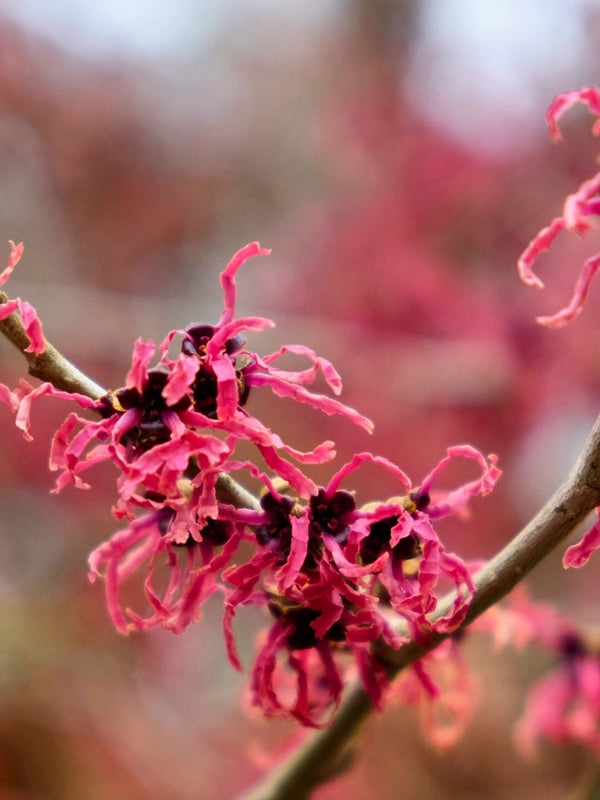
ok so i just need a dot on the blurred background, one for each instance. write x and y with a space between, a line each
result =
395 157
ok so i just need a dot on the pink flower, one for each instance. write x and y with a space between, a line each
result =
579 212
297 674
33 327
179 552
204 389
332 575
577 555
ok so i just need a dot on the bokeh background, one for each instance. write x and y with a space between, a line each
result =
394 156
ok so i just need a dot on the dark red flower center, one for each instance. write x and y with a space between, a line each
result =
301 634
379 538
204 387
327 515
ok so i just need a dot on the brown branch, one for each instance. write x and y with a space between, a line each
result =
318 758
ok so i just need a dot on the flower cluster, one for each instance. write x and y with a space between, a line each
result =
334 576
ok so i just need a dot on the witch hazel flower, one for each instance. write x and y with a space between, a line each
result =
334 577
580 212
31 322
204 389
178 551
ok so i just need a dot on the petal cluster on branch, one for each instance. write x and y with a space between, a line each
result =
332 574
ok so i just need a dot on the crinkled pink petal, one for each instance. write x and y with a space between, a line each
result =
309 688
229 637
459 498
10 398
227 391
227 278
321 454
577 555
33 328
578 210
236 466
31 323
160 468
566 100
22 420
137 376
8 308
306 376
66 452
582 204
126 422
328 405
580 293
166 342
216 344
298 550
115 559
373 676
243 426
61 441
349 568
361 458
288 472
335 582
180 378
403 528
537 246
16 251
245 576
157 469
454 568
201 587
